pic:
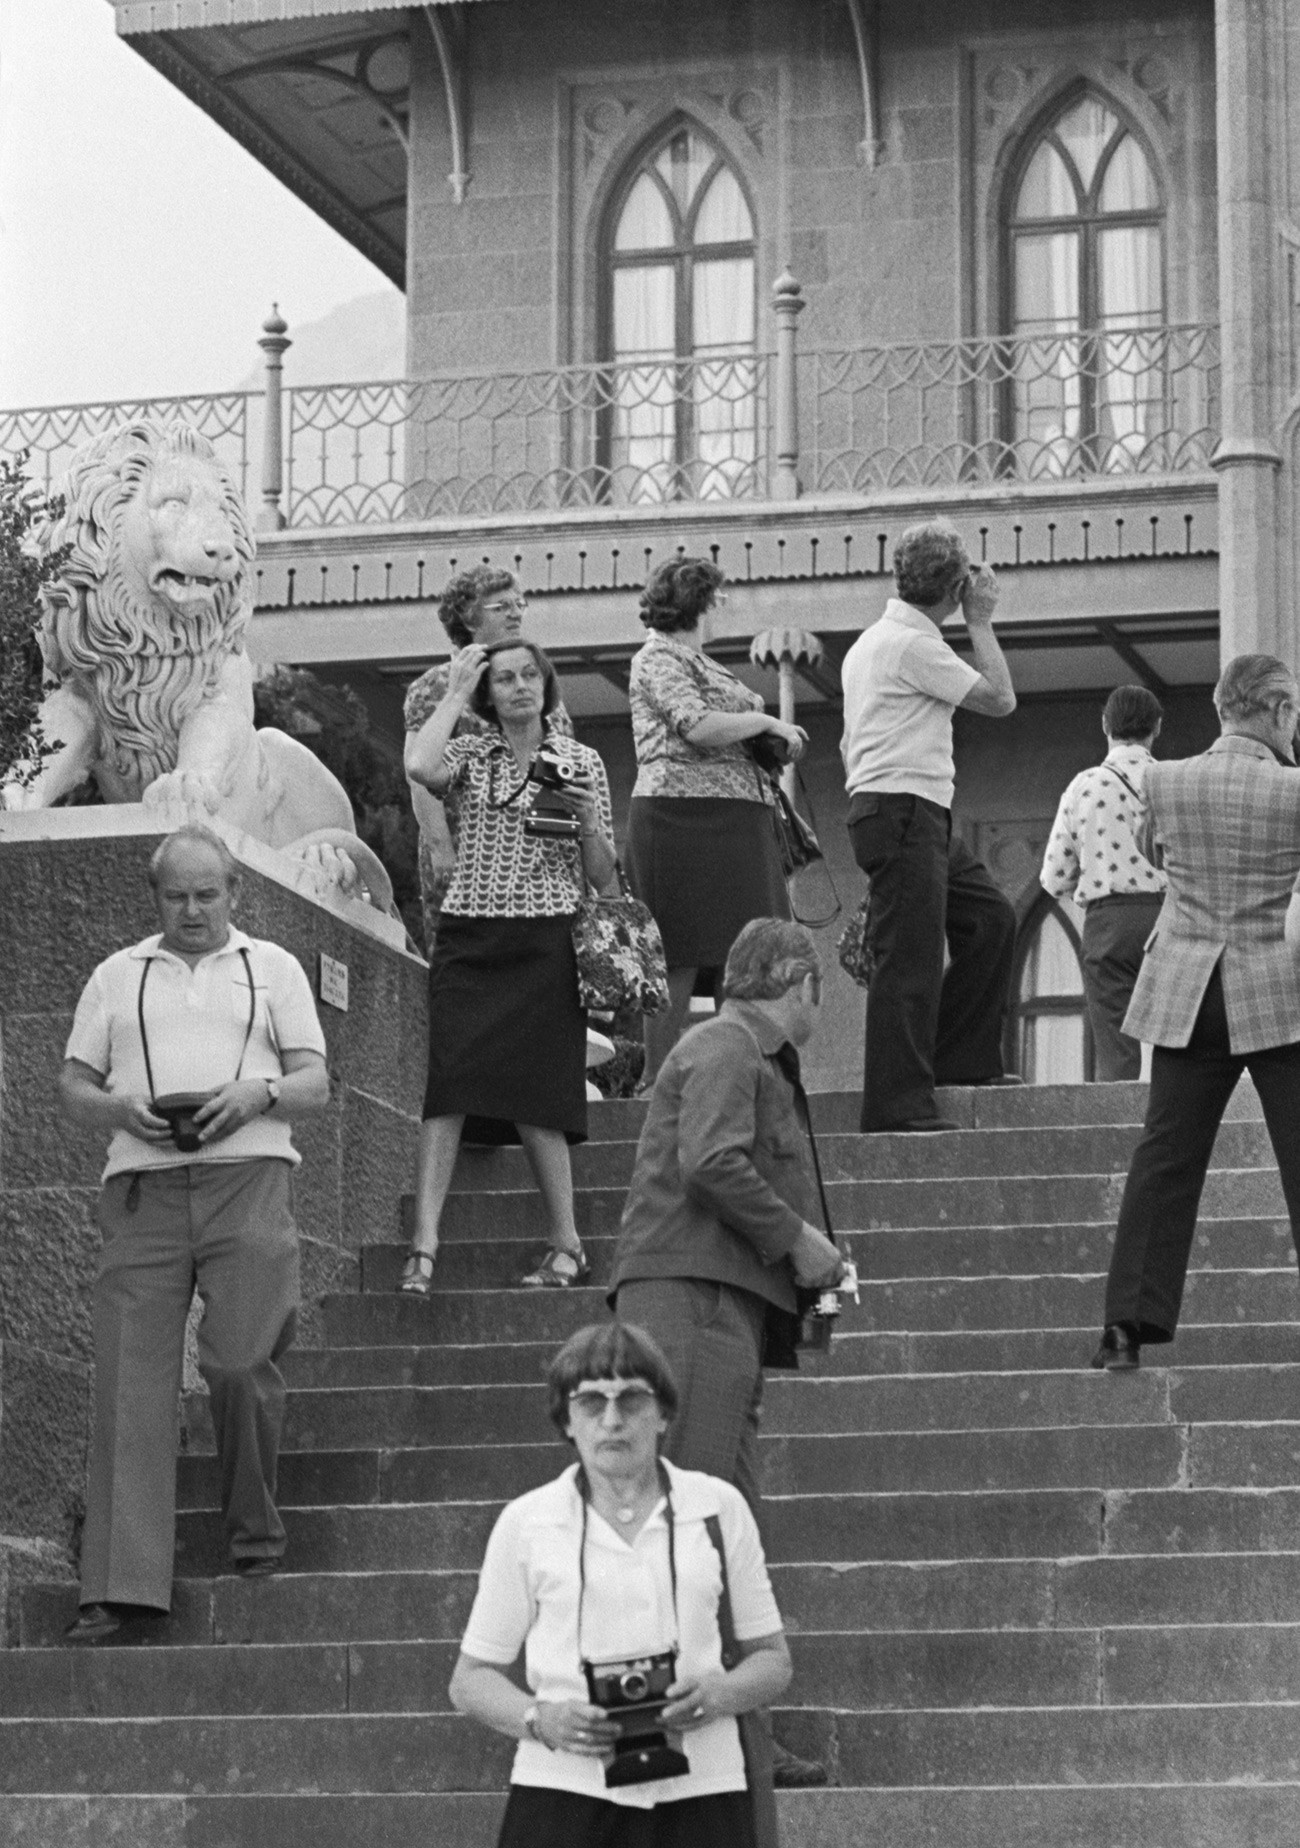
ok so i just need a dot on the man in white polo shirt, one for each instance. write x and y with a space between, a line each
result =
902 683
199 1008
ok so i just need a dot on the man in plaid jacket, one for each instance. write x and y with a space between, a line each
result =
1219 989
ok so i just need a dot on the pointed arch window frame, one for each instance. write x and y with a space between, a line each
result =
683 254
1024 1010
1088 221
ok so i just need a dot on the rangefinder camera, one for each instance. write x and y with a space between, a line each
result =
551 772
178 1108
634 1692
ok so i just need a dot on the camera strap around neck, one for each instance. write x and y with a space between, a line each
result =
584 1493
144 1037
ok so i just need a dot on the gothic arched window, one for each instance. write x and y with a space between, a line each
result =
1052 1044
680 326
1085 275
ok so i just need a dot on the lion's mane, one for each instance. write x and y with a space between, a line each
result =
142 671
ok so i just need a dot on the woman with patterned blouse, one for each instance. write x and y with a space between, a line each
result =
507 1037
701 849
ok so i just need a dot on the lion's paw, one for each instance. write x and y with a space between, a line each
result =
193 788
334 866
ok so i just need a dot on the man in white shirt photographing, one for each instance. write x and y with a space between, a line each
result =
902 683
193 1048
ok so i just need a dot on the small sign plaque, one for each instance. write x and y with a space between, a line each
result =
334 982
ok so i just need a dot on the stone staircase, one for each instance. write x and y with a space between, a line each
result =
1031 1606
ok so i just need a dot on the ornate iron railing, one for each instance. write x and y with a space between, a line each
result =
1034 408
53 434
620 435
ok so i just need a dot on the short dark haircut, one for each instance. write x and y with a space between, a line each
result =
199 836
481 699
1251 684
678 593
607 1351
768 958
465 590
1132 712
927 560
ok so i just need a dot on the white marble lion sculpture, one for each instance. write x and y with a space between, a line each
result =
142 633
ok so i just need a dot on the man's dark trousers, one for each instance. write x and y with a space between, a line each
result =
1190 1088
924 1026
1115 932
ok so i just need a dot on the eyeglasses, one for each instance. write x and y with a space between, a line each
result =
590 1401
501 606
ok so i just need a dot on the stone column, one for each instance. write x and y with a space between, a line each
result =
1258 197
274 343
787 305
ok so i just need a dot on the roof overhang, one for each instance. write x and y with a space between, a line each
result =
316 90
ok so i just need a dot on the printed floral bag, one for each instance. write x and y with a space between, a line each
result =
854 947
620 955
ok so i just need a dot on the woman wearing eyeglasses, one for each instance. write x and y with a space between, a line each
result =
598 1576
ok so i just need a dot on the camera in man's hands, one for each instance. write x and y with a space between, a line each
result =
633 1691
552 772
178 1109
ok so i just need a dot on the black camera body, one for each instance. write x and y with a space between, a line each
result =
633 1691
551 772
769 752
178 1108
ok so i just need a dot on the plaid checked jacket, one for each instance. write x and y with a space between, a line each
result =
1229 823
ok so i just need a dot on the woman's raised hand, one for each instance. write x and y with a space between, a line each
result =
573 1726
466 671
794 738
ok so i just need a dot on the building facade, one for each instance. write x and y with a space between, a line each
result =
769 280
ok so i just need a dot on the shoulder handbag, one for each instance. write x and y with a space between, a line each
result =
755 1728
797 845
619 953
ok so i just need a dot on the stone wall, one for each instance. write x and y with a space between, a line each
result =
562 92
73 888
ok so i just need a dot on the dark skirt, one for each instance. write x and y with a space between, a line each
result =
705 865
539 1818
507 1039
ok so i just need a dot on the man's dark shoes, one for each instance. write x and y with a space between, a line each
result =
94 1623
258 1565
792 1773
1120 1350
914 1126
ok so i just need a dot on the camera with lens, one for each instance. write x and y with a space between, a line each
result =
769 752
179 1108
550 771
633 1691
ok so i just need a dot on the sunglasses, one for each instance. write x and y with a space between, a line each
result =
590 1401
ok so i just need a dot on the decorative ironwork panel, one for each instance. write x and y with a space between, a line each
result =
52 434
582 436
1040 408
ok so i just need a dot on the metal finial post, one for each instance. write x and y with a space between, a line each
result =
787 305
274 341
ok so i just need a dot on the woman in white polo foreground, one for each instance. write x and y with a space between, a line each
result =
597 1576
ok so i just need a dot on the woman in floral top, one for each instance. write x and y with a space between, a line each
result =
507 1037
701 850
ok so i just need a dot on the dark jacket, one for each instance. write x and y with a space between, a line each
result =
723 1179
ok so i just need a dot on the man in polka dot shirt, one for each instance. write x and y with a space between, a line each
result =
1095 857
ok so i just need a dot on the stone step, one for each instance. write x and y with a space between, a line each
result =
1156 1815
1141 1665
843 1596
1051 1149
262 1754
353 1418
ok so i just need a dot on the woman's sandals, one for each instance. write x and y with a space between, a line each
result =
558 1270
417 1274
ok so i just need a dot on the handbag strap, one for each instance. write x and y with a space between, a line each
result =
726 1621
788 1060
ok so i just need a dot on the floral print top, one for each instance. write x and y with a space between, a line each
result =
672 688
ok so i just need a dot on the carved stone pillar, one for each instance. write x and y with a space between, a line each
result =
1258 460
274 342
787 305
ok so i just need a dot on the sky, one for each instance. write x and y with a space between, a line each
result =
140 247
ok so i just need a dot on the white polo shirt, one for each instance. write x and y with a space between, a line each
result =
196 1020
528 1599
901 683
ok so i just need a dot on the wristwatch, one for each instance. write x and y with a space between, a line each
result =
272 1091
531 1726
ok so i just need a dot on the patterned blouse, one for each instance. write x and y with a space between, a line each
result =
423 697
501 872
672 688
1094 849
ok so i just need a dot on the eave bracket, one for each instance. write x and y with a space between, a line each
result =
452 59
865 17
